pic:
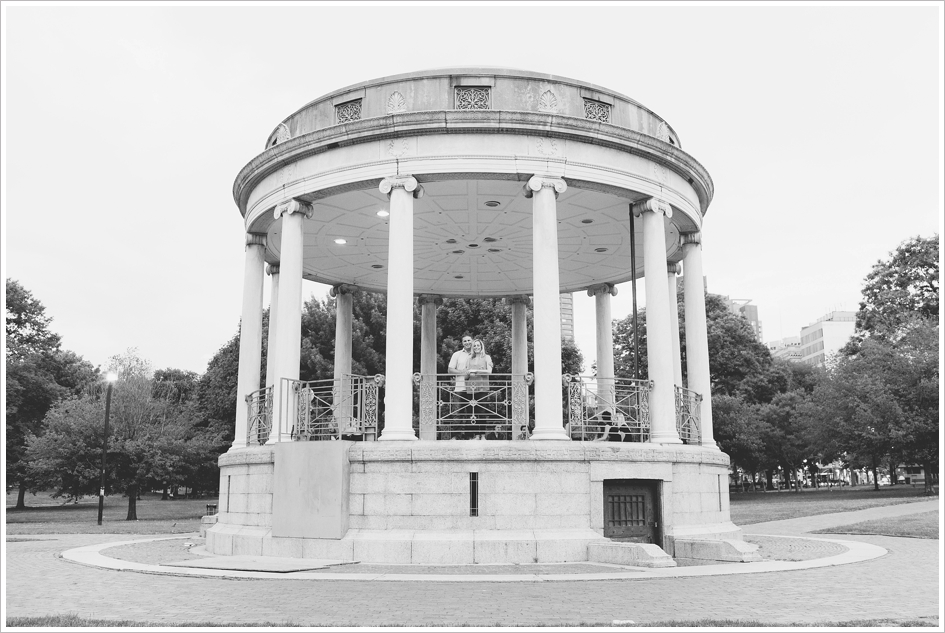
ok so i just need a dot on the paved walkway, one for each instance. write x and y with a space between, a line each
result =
902 584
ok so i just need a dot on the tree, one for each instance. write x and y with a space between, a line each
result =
27 324
866 401
175 385
738 429
151 441
735 353
39 374
900 288
787 431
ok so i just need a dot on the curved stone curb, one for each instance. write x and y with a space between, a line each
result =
91 555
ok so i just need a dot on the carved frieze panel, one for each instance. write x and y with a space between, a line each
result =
547 146
548 102
596 111
472 98
396 103
350 111
662 132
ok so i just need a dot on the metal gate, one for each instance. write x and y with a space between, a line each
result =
631 510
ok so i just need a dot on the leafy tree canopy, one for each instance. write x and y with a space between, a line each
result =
38 374
902 287
152 441
735 353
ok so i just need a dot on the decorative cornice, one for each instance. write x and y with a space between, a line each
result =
405 182
652 205
272 269
690 238
294 206
600 289
343 289
537 183
255 239
473 121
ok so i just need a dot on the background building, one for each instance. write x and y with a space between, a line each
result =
826 335
788 348
567 316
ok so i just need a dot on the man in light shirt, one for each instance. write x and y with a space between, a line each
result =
459 367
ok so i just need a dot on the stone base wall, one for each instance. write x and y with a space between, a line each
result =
536 501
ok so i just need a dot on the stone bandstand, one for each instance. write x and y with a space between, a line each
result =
474 182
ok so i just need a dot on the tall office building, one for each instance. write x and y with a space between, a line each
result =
567 316
826 335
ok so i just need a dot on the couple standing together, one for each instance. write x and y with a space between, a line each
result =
471 366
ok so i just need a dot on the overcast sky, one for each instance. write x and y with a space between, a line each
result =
125 126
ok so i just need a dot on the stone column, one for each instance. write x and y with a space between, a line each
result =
548 415
273 272
341 389
398 401
250 333
672 269
606 385
289 314
697 340
519 335
659 348
429 394
519 365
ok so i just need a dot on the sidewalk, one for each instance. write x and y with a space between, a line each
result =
901 584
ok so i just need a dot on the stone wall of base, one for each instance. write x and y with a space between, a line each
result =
414 502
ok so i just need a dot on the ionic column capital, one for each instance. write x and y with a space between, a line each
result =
690 238
255 239
673 268
294 206
652 205
343 289
272 269
537 183
601 289
436 300
523 299
407 183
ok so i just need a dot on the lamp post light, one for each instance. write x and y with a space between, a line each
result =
110 378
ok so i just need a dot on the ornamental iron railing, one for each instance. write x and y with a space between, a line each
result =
483 406
688 415
259 417
331 409
615 409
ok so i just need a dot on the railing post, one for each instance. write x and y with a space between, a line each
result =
520 384
428 404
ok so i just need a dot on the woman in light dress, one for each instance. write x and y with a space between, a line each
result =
477 383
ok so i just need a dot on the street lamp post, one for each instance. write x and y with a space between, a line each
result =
110 378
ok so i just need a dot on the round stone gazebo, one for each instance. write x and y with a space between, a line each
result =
474 182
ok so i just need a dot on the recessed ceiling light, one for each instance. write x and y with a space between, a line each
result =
341 240
457 277
473 245
488 239
587 221
494 250
492 203
376 266
600 250
383 214
451 241
458 252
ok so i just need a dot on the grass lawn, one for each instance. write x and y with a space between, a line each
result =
757 507
922 525
45 515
